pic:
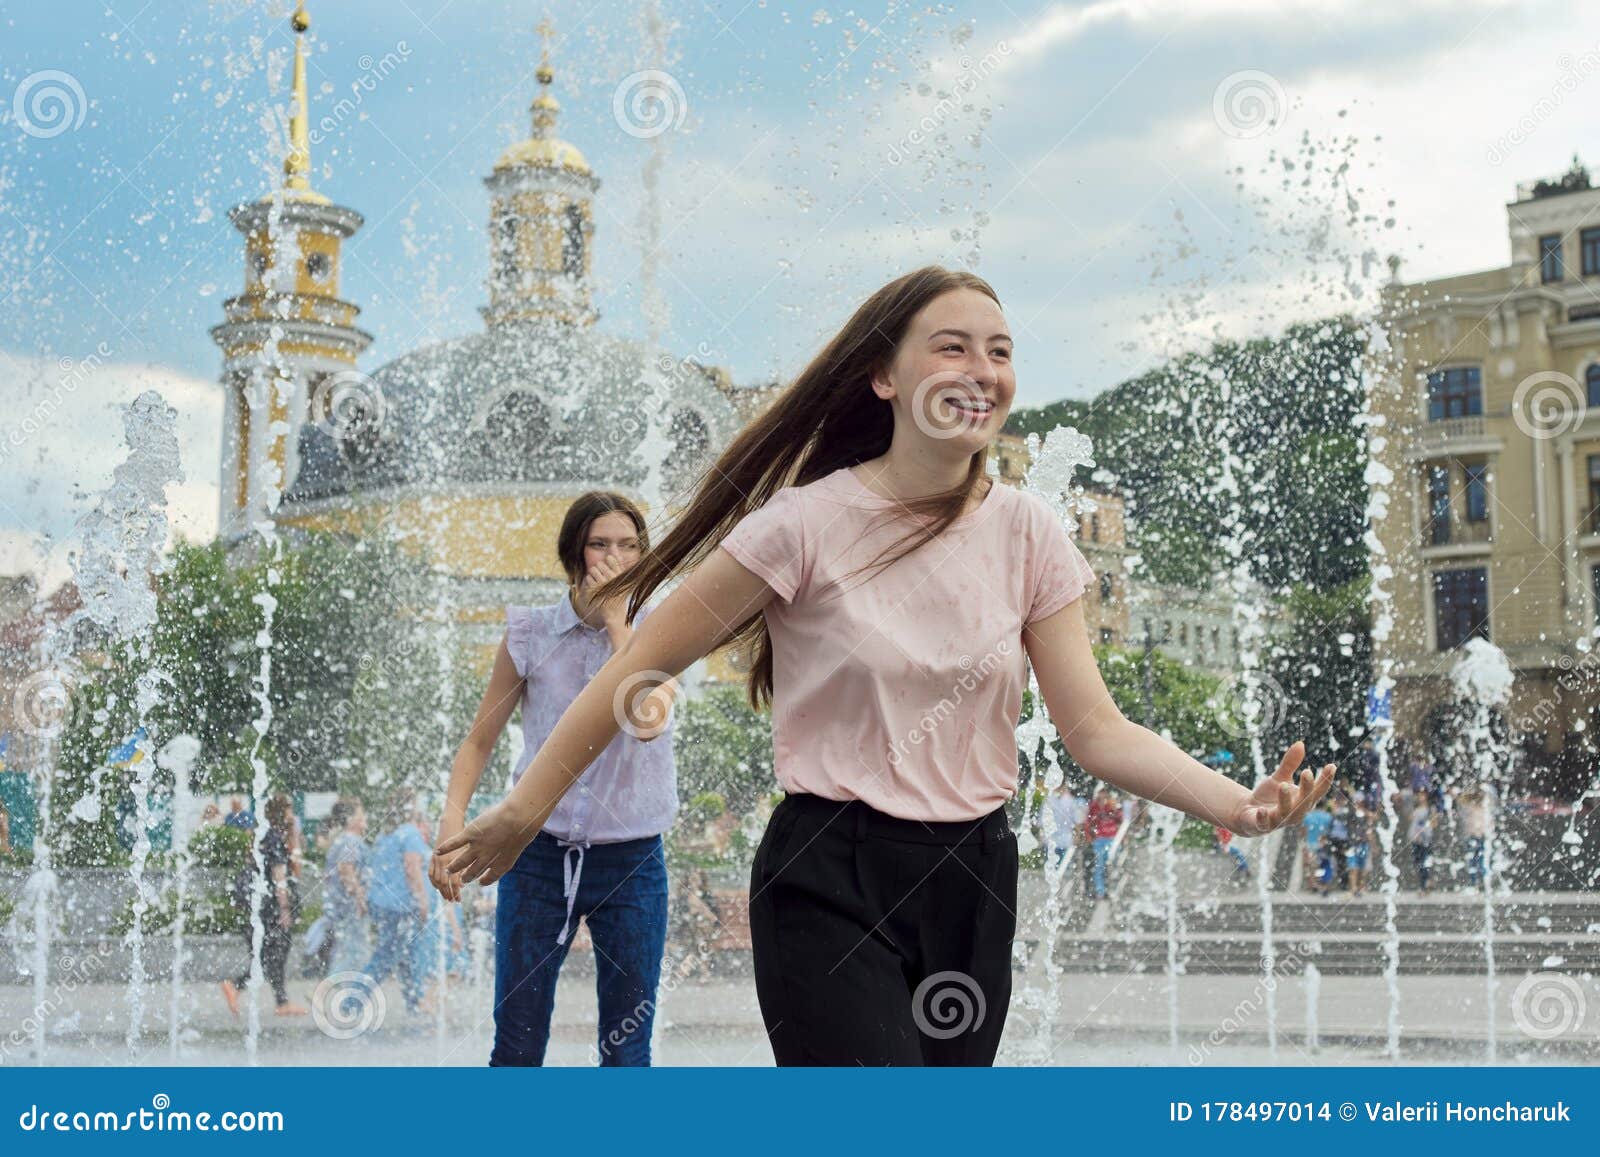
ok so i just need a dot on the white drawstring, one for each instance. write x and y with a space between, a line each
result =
570 875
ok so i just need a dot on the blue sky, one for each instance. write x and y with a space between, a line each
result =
1120 211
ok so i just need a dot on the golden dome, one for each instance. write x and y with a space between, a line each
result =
544 149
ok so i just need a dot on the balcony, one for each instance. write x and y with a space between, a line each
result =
1467 540
1454 436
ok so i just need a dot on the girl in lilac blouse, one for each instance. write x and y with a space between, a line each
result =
598 855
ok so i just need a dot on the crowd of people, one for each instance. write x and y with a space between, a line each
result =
379 917
1339 835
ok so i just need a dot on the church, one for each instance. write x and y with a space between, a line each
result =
466 452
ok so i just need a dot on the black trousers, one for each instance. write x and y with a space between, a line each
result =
879 940
275 943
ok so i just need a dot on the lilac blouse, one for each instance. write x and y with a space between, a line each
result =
631 789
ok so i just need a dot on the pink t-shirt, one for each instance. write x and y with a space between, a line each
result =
901 687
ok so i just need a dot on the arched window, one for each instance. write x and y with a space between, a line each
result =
517 432
505 246
572 243
691 446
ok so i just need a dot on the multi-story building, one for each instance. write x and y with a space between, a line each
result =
1491 427
1099 535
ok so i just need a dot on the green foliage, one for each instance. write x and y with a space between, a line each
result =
1288 406
340 614
724 749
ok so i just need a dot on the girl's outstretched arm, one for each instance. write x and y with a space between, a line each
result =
1111 747
694 619
494 712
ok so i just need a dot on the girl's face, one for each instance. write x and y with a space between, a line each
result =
612 535
951 382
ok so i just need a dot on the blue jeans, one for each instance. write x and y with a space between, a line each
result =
622 896
399 935
1102 856
351 945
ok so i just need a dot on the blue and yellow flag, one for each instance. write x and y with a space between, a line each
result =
130 753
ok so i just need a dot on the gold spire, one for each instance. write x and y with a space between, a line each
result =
544 147
297 165
545 106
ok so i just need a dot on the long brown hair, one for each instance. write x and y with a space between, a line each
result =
828 418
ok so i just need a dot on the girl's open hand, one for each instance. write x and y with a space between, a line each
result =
1278 800
486 848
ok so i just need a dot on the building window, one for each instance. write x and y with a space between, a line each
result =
1477 474
572 243
1461 606
1594 584
1550 268
1105 636
1594 494
1591 384
1094 528
505 247
1589 246
1105 587
1183 634
1216 644
1166 630
1456 392
1438 504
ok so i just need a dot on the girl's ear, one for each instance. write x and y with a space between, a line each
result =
881 384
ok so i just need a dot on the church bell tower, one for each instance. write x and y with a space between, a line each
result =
289 341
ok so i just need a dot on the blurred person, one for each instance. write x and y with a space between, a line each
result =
399 902
1314 826
278 910
1222 838
1065 810
1101 825
1472 808
1359 855
1420 833
344 886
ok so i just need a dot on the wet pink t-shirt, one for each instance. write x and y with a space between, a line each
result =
901 686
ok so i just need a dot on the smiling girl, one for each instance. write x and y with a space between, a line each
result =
891 595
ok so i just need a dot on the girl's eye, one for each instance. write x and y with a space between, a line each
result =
1001 353
948 347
